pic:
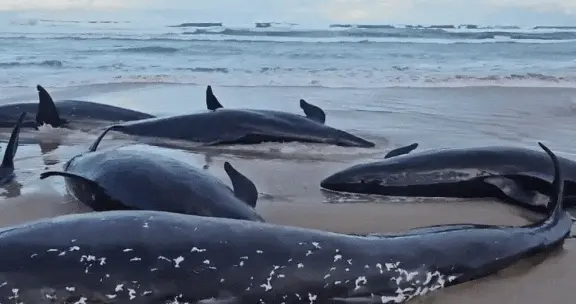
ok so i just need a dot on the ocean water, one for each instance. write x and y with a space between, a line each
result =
440 86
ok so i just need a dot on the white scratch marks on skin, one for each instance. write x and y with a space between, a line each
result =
259 251
268 286
119 287
128 250
360 280
134 259
74 248
145 225
131 293
33 255
70 289
316 245
337 257
196 249
300 265
412 283
81 301
177 261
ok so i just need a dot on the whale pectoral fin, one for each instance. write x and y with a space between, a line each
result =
95 144
83 179
47 110
12 147
517 194
401 150
244 188
313 112
212 102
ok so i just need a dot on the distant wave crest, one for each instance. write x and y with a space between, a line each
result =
45 63
149 49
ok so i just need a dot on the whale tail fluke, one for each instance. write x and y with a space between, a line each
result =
313 112
212 102
47 110
94 145
12 147
244 188
401 150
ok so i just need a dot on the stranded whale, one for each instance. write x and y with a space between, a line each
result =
243 126
7 165
66 113
155 257
516 175
128 178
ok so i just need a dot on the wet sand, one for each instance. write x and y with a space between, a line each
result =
288 178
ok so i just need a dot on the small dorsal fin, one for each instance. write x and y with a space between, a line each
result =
212 102
47 110
244 189
401 150
12 147
313 112
94 146
46 174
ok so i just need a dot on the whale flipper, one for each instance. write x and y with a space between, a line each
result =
47 110
46 174
212 102
94 146
517 194
12 147
244 189
313 112
401 150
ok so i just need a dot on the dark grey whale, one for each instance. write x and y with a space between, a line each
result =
138 179
66 113
150 257
516 175
7 165
243 126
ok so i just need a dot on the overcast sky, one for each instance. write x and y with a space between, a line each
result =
521 12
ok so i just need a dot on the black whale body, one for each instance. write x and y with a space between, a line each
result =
127 178
66 113
221 126
147 257
516 175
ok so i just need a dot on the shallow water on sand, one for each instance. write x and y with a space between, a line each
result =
288 175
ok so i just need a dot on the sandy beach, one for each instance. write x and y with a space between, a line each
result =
288 176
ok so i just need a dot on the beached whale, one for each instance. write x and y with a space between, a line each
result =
128 178
243 126
7 165
150 257
516 175
75 114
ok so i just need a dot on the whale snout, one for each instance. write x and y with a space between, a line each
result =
340 181
348 140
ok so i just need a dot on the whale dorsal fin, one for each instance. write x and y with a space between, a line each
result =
244 189
401 150
94 146
47 110
212 102
12 147
313 112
